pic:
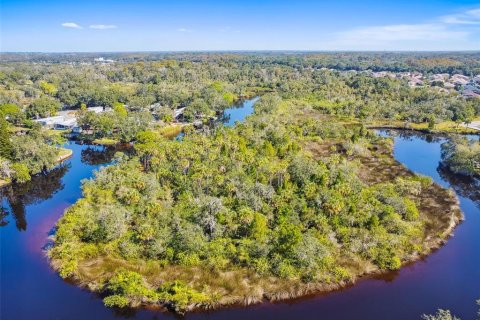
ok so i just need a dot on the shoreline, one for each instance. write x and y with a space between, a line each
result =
61 158
421 130
304 292
433 240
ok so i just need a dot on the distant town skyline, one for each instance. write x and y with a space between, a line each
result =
107 26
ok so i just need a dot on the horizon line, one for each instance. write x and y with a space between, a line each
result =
241 50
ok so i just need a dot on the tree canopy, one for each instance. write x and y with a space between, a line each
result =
254 201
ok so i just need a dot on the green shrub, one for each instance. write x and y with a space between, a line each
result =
386 259
179 296
285 270
116 301
411 210
20 172
128 288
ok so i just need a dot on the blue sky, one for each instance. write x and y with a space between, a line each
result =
61 26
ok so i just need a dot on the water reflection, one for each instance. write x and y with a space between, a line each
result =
3 215
228 117
16 197
238 112
98 155
26 278
39 188
465 186
95 156
411 135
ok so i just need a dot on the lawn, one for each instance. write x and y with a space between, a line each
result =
105 141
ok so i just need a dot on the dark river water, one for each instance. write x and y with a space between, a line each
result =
30 289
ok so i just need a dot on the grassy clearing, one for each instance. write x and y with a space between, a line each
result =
64 154
236 286
57 133
442 127
250 92
170 131
105 142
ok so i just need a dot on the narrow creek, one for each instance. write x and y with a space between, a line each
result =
30 289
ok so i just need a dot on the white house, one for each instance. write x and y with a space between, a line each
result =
58 122
50 121
65 124
95 109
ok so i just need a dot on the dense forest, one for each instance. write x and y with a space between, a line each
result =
432 62
300 198
144 90
282 205
462 156
208 83
23 155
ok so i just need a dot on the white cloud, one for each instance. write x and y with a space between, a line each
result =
453 32
401 32
184 30
72 25
102 26
474 12
468 17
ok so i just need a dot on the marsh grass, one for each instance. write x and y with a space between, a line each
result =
238 285
441 127
170 131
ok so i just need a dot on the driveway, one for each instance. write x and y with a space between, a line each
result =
474 125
